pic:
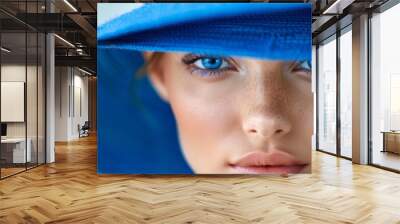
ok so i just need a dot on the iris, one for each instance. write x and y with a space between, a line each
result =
208 65
306 65
211 63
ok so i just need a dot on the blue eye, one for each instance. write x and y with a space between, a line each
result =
209 66
304 65
211 63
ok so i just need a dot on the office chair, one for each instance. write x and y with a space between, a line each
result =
84 130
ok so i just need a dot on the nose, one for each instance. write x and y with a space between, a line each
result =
266 126
267 107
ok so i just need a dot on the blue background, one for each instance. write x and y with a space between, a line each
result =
136 130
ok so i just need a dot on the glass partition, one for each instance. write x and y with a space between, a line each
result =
22 78
13 103
327 95
346 93
385 89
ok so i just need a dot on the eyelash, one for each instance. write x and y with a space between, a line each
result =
191 59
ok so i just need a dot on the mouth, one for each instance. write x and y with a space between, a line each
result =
268 169
273 162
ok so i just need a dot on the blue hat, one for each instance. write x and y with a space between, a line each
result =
278 31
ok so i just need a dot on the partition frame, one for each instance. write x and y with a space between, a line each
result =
337 34
387 5
44 86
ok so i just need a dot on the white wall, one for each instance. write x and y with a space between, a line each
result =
70 83
61 103
79 117
33 127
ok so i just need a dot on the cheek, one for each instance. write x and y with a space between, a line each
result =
198 116
305 105
205 115
302 116
301 102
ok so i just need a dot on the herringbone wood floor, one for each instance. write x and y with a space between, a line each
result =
70 191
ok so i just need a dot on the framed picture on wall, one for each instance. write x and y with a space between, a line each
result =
12 101
210 88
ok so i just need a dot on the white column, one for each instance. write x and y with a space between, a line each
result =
50 100
360 90
314 91
50 93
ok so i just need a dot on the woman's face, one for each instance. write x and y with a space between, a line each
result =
238 115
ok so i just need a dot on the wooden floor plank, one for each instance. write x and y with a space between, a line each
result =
70 191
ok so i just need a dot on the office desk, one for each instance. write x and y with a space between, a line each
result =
13 150
391 141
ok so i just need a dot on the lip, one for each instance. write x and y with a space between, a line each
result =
272 162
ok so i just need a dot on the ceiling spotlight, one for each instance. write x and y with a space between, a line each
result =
70 5
337 7
84 71
5 50
65 41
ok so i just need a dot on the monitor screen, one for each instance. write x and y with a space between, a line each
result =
3 129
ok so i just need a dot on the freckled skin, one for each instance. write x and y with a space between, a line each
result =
260 107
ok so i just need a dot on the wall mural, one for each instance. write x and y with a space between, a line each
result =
204 88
